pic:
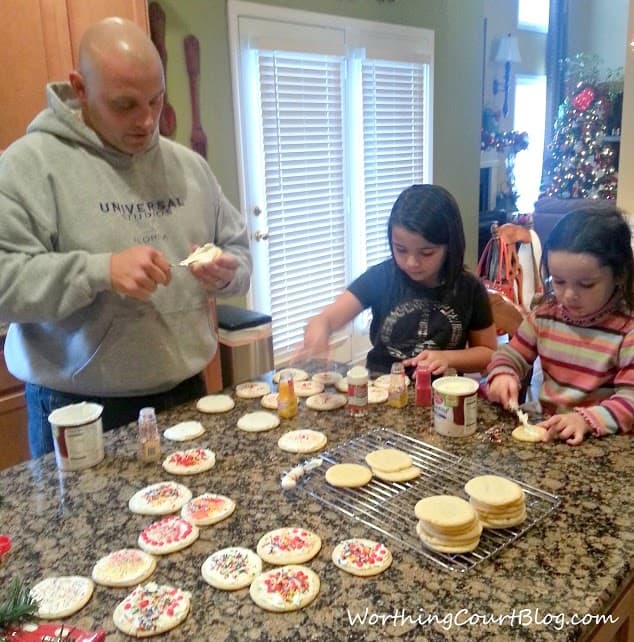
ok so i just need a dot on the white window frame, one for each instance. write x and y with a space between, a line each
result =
530 160
533 15
347 37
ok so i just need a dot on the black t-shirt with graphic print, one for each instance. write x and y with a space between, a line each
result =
408 317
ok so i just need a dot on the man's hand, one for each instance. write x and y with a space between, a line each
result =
137 271
217 274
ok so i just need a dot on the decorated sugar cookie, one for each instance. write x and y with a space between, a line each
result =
125 567
61 596
151 609
207 509
361 557
161 498
231 568
288 546
168 535
287 588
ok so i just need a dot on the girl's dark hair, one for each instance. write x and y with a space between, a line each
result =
603 233
432 212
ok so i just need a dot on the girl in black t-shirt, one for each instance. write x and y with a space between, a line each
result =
426 307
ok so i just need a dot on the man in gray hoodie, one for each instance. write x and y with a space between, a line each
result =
96 207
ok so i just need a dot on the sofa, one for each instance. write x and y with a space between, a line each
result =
549 210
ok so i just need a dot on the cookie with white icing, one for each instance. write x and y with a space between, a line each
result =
151 609
184 431
258 421
190 462
168 535
361 557
252 389
326 401
161 498
231 568
302 441
287 588
207 509
212 404
61 596
125 567
289 545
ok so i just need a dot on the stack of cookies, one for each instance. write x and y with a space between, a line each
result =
499 502
448 524
392 465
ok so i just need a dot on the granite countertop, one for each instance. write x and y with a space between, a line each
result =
573 561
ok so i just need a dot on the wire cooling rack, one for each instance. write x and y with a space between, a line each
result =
388 507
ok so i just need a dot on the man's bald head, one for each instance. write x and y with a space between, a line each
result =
120 84
116 37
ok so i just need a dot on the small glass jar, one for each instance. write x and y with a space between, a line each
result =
397 393
149 438
423 385
357 378
286 397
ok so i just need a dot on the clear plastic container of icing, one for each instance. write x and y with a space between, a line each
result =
149 446
397 393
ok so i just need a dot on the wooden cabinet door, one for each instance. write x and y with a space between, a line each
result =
81 14
40 40
35 50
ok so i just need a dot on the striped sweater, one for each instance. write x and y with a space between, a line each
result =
588 365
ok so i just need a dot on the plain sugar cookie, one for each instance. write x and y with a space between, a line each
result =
531 433
348 475
388 460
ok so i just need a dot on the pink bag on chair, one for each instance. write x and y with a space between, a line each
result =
499 266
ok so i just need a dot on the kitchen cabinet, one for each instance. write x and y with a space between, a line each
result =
13 430
40 40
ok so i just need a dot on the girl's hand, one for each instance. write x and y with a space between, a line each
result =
571 426
316 338
505 390
434 360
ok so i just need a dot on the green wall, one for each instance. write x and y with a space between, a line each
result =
457 83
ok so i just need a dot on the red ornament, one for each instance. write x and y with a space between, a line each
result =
583 99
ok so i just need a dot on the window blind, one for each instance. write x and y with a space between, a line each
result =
301 111
393 132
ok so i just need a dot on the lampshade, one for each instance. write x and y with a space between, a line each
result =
508 50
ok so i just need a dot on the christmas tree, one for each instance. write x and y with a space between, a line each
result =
581 160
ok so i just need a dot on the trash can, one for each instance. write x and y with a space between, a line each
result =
246 343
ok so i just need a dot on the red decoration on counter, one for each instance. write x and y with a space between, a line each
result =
52 631
5 545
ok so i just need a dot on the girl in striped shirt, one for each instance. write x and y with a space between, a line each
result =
582 330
